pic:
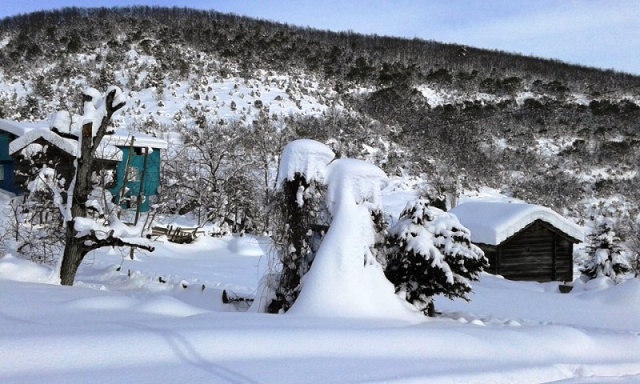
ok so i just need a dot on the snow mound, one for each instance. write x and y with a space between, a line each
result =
307 157
103 303
158 305
12 268
344 279
246 246
626 294
169 306
493 222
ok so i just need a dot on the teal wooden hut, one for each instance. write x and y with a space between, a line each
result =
138 174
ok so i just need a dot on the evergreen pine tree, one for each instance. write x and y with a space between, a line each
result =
430 253
606 257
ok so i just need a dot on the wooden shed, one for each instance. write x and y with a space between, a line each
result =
522 241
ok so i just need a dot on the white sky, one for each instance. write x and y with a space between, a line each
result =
599 33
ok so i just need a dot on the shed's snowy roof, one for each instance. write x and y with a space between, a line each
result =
19 128
122 138
493 222
104 150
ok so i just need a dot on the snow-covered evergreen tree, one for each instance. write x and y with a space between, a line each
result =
380 226
302 201
606 256
430 253
345 279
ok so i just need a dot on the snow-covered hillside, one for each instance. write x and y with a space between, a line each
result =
545 132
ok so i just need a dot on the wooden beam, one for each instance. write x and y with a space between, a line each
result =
554 256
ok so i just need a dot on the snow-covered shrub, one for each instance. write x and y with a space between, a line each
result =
34 234
303 215
380 225
430 253
301 204
606 256
633 245
38 224
345 279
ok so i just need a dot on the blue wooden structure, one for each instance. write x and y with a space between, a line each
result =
143 160
7 181
9 131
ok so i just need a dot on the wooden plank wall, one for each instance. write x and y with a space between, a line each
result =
535 254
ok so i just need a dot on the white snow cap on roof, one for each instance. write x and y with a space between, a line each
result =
122 138
493 222
104 150
19 128
307 157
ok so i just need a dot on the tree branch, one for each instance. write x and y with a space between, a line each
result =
110 241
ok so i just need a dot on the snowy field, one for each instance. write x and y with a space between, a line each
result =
125 326
160 318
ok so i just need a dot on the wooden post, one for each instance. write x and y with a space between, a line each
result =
126 174
140 192
141 189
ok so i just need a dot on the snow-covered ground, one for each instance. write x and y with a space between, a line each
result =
159 318
120 326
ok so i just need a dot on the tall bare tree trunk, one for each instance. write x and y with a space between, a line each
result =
73 255
76 248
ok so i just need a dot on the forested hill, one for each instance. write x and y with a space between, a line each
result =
542 130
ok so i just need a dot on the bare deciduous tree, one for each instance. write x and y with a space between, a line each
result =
83 233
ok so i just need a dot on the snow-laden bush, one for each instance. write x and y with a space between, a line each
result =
606 256
301 194
430 253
